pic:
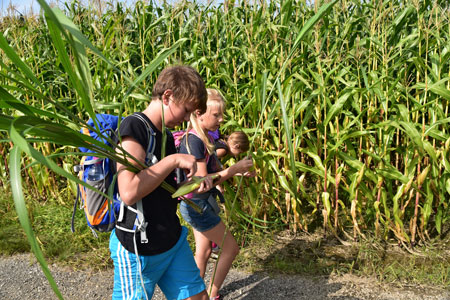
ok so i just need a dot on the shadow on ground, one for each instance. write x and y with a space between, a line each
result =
293 268
261 286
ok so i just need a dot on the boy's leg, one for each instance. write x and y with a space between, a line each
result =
181 279
202 296
131 275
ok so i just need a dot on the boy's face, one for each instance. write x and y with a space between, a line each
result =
212 118
176 113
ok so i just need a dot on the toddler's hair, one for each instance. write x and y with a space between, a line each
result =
185 83
239 139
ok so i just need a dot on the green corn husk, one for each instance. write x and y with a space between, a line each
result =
171 189
191 186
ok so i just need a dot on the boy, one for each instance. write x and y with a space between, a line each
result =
166 259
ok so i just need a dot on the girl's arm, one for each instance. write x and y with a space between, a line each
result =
221 152
241 166
135 186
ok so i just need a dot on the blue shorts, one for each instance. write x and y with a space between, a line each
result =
200 222
175 271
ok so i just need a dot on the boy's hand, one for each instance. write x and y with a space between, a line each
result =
187 162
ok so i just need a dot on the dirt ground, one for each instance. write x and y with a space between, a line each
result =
22 278
285 266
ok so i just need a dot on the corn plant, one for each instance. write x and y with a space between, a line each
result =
346 103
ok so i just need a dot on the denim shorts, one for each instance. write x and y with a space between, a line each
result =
174 271
200 222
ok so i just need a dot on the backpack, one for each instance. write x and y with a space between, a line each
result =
102 214
179 136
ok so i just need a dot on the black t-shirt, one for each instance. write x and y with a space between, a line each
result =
160 209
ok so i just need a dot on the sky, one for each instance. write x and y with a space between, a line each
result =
26 6
23 6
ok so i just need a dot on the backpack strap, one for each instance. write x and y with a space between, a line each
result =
150 159
207 155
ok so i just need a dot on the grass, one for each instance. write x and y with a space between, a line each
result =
277 252
51 224
12 236
316 255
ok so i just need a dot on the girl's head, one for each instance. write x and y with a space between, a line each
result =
211 119
238 143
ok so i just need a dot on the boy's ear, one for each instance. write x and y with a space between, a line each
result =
166 96
198 113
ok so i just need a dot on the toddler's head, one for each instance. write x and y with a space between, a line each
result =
238 143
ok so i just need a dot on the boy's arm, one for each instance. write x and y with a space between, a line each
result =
135 186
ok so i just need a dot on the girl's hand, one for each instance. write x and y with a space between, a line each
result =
243 165
205 185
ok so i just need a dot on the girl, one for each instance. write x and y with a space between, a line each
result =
208 227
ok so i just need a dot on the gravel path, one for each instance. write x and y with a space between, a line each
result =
21 278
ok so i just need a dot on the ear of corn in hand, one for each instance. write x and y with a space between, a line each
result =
191 185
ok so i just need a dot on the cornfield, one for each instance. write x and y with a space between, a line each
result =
346 102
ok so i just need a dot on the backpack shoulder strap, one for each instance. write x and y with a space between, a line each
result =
150 158
207 155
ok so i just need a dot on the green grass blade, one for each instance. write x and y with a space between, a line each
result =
162 56
17 61
337 106
22 212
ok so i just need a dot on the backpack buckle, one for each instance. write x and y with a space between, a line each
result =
142 226
77 168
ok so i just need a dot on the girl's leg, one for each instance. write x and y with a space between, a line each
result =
202 251
230 250
202 296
